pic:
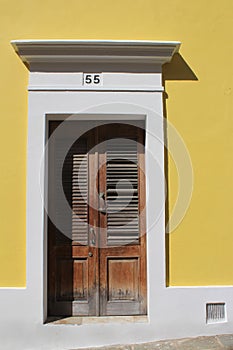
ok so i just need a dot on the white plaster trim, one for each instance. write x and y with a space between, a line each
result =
111 82
65 88
39 53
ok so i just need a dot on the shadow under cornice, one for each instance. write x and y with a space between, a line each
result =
178 69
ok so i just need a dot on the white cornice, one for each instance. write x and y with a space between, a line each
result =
61 55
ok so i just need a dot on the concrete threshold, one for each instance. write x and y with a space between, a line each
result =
97 320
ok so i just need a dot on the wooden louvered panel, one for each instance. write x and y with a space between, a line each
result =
74 170
80 193
122 192
62 212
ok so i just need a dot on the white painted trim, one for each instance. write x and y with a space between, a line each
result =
37 54
65 88
110 82
92 43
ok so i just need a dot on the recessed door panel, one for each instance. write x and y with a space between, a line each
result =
122 279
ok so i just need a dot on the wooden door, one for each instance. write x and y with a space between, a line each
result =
97 261
122 221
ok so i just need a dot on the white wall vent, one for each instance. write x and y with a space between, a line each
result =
215 312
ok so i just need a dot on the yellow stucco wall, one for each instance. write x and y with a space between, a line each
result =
201 110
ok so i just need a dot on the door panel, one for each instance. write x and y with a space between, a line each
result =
123 235
71 271
80 278
65 279
120 281
97 264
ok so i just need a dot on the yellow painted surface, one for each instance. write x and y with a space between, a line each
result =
201 110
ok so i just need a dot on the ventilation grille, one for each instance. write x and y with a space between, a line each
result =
215 312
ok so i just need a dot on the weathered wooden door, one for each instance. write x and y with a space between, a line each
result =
97 249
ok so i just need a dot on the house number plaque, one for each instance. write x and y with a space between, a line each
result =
92 79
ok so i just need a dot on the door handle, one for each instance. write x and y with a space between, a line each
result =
93 238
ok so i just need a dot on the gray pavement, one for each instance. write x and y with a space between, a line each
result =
218 342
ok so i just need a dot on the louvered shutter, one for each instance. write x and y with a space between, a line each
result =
72 220
62 171
122 192
80 192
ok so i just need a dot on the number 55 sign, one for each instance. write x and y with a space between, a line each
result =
92 79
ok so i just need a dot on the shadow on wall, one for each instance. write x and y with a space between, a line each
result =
177 69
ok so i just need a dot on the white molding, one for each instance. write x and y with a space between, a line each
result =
39 54
113 88
110 82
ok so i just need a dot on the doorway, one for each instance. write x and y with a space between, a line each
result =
97 249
